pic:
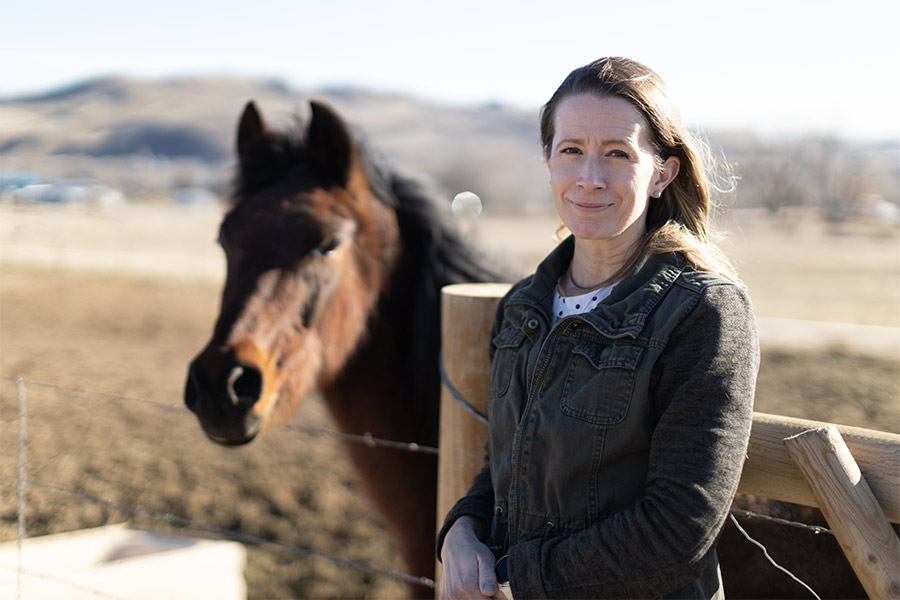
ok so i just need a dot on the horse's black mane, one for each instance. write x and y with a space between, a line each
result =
434 254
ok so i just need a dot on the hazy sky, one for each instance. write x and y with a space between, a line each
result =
785 66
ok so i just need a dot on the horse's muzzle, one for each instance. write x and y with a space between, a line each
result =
223 400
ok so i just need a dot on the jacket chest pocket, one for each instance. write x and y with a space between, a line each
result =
600 382
507 344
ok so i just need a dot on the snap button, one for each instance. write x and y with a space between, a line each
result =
533 323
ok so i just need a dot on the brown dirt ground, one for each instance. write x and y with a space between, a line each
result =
132 336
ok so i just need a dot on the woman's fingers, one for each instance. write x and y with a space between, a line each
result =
468 565
487 577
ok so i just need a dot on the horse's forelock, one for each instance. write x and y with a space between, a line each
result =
272 157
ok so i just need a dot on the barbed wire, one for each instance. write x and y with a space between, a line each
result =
184 522
817 529
20 516
103 395
367 438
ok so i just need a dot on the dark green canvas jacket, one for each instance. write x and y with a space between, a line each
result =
617 437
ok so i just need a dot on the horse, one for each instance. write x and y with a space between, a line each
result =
334 268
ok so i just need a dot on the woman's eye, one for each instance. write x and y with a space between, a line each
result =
618 153
570 151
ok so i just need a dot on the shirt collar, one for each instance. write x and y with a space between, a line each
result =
625 311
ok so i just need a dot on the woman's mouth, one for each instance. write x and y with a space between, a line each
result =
591 206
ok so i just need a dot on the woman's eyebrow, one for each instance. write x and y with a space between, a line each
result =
609 142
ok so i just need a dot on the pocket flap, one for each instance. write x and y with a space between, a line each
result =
606 357
509 337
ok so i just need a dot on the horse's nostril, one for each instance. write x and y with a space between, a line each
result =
244 385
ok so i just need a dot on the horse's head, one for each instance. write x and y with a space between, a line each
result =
309 247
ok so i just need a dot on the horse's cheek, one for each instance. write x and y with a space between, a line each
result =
291 382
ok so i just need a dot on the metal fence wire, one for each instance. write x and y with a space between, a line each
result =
170 519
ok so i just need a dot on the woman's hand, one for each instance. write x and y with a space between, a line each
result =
468 564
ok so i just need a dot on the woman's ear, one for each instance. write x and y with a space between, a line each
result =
665 175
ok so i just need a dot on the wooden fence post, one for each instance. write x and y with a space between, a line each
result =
855 517
467 313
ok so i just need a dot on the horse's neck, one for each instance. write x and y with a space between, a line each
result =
390 383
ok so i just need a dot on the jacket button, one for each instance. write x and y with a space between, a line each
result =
533 323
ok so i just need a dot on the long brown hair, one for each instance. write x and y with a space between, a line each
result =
678 221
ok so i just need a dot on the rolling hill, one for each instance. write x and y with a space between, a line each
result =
148 137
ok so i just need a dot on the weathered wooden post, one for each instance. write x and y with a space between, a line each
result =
858 522
467 313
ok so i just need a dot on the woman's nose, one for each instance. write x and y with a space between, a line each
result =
592 175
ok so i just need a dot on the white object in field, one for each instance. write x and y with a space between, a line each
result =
117 562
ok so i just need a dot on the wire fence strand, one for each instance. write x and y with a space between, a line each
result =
817 529
367 438
20 518
22 483
171 519
772 560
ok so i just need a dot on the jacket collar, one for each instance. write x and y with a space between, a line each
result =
625 311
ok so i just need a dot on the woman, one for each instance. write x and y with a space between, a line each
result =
623 370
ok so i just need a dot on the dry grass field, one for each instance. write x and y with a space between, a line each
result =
117 303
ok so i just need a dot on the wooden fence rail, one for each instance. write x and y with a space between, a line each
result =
770 471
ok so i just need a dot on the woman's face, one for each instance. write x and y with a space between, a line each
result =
603 170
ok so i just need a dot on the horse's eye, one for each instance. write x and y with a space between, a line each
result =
329 246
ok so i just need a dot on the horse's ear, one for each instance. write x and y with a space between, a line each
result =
250 128
329 143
